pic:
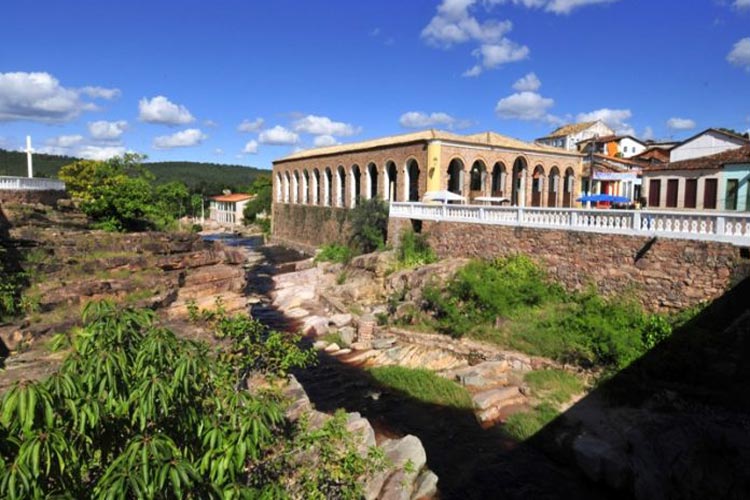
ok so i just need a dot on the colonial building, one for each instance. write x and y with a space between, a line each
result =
227 209
568 136
715 182
610 175
624 146
405 167
709 142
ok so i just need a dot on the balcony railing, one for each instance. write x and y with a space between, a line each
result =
30 184
713 226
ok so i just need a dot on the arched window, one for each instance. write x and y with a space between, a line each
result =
412 172
537 186
287 183
553 187
279 188
372 181
568 187
295 187
498 179
518 188
477 179
316 187
356 185
327 182
340 186
391 181
305 187
456 176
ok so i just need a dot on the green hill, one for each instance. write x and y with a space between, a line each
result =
207 178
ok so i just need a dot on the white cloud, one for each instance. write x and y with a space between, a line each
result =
322 125
101 93
506 51
524 106
740 54
100 152
107 131
325 140
613 118
528 83
159 109
475 70
64 141
417 119
38 97
218 151
555 6
250 126
741 4
454 24
278 136
210 123
681 124
251 147
648 134
182 139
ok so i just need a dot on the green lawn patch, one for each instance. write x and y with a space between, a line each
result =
521 426
554 385
423 385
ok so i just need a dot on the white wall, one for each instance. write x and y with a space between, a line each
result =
705 144
628 147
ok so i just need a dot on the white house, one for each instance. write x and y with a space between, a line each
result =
228 208
568 136
709 142
624 146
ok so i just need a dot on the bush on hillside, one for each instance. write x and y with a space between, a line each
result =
369 222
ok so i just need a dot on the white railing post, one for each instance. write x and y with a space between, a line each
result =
637 221
720 223
519 215
444 211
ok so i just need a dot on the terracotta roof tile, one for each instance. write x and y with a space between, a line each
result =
711 162
232 197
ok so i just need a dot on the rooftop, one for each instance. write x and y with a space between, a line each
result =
232 197
569 129
711 162
482 138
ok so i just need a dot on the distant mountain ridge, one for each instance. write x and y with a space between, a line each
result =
199 177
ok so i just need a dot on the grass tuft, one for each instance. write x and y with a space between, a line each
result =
423 385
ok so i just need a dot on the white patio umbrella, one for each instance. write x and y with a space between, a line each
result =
443 195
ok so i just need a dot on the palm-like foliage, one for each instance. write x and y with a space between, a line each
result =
136 412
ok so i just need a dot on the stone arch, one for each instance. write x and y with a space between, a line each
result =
315 186
553 187
372 181
327 186
411 169
391 181
279 188
340 186
518 188
455 176
478 179
287 183
305 187
537 187
356 185
568 187
295 187
499 179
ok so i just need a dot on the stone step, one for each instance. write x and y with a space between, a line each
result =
500 413
495 397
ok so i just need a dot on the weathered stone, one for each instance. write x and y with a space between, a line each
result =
425 487
314 325
333 347
320 345
347 334
341 320
495 397
383 342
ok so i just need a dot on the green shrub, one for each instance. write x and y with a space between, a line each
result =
423 385
369 223
334 253
413 250
137 412
521 426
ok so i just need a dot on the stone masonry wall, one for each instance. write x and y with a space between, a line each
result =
665 274
306 227
43 197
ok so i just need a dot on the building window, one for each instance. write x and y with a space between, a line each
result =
691 193
710 189
672 188
654 193
733 186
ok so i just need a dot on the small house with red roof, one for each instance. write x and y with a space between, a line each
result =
227 209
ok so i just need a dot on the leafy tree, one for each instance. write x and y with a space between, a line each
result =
261 188
369 221
136 412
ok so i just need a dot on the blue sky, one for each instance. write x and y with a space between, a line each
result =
250 81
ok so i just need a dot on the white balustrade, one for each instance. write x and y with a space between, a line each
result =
712 226
30 184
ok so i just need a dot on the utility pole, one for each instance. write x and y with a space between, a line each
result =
29 162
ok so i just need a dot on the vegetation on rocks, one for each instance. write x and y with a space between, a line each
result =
369 221
423 385
261 202
414 250
334 253
512 302
120 195
136 412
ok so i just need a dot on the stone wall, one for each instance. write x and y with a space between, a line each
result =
43 197
665 274
306 227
